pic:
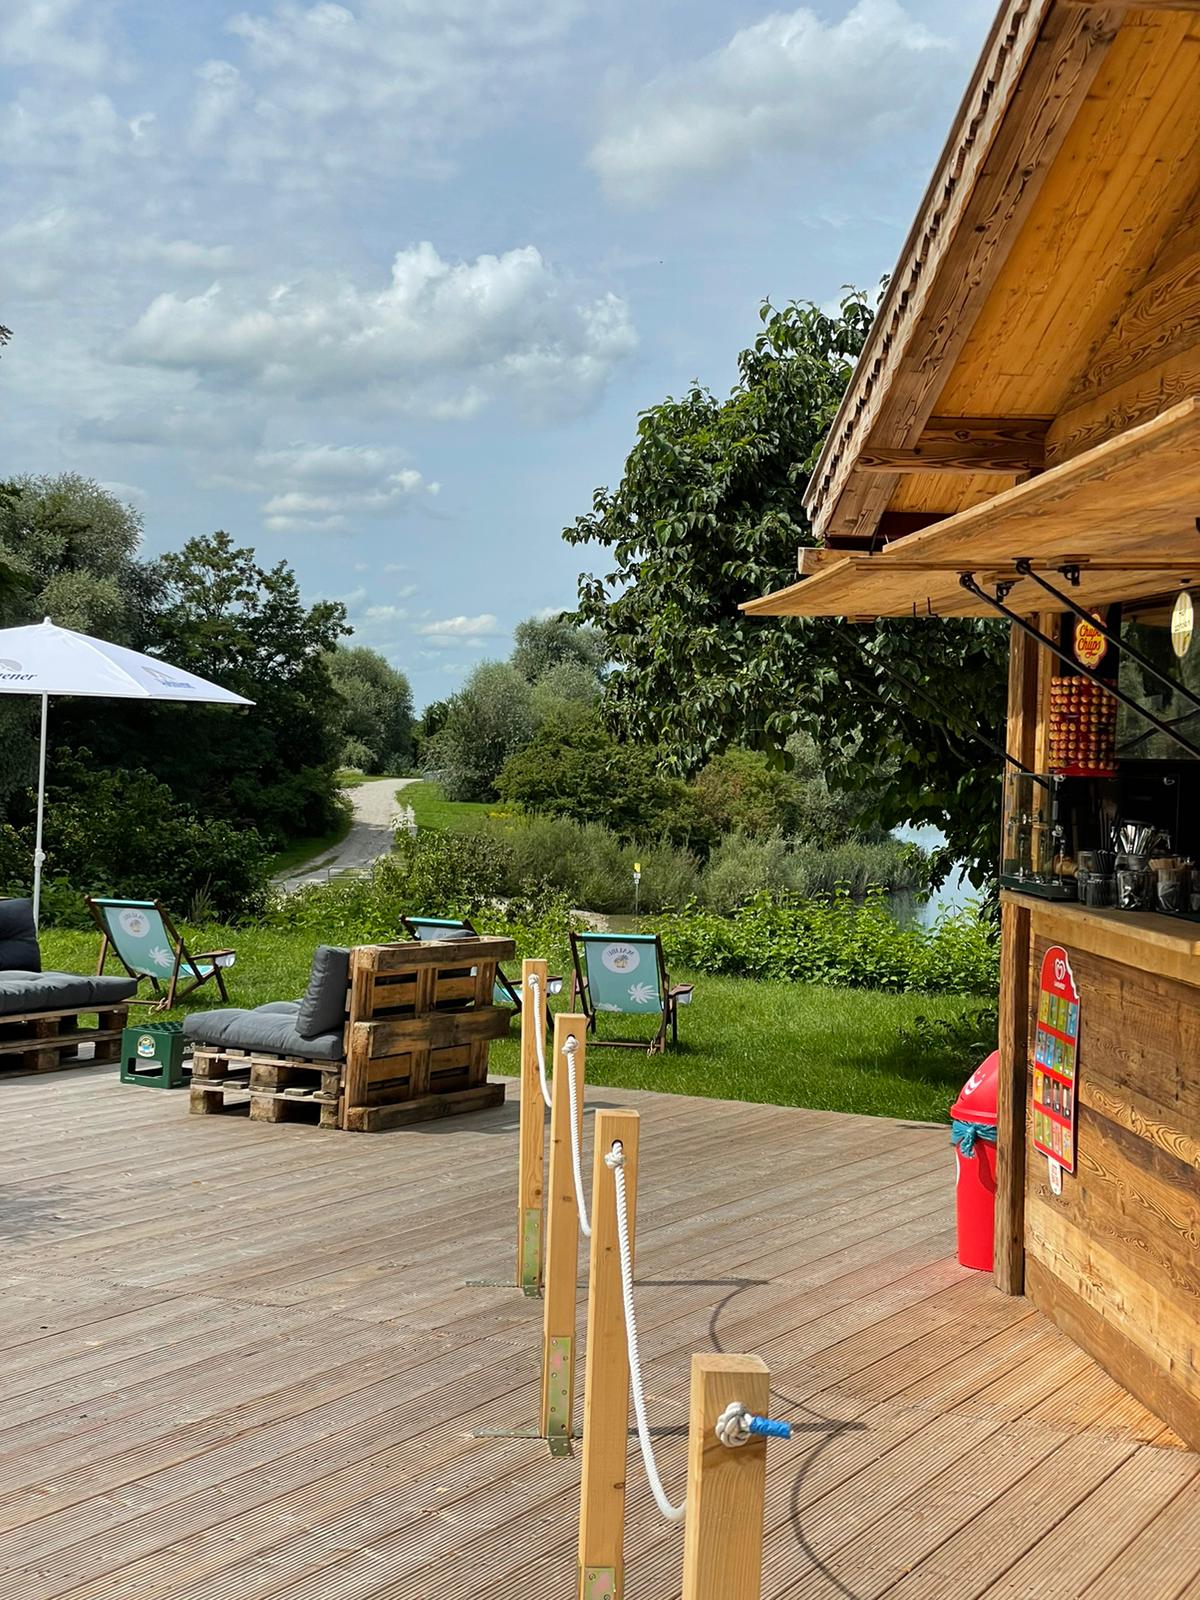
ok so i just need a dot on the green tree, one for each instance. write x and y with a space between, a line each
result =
377 712
490 717
76 547
709 513
222 615
541 644
574 767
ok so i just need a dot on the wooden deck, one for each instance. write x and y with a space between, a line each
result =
241 1361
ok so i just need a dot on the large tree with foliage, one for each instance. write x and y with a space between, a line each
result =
709 513
376 725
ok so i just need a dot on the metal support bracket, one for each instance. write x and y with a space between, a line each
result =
560 1381
598 1583
531 1251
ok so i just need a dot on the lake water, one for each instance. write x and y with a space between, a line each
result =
953 894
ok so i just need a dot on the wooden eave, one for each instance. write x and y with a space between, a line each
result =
1048 273
1124 513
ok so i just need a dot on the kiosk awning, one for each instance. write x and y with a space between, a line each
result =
1123 513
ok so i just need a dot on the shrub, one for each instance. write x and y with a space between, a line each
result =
740 868
834 939
589 864
575 768
124 833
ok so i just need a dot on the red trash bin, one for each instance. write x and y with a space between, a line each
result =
974 1135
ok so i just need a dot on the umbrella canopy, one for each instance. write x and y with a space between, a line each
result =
43 659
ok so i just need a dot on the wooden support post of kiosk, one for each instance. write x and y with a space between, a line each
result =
723 1539
562 1246
606 1388
531 1179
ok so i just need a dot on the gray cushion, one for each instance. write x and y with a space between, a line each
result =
42 991
109 991
323 1006
18 937
60 991
265 1028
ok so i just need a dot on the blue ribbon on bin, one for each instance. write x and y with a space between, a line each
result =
966 1134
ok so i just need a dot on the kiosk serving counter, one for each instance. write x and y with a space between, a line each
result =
1020 441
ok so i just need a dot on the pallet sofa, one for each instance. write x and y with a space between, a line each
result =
384 1035
41 1026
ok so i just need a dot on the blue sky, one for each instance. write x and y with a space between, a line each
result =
381 287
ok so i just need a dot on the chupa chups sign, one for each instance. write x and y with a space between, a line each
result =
1090 644
1056 1064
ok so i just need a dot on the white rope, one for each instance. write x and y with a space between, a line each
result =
541 1040
616 1160
570 1045
732 1429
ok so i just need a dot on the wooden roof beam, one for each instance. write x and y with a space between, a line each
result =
1192 6
967 444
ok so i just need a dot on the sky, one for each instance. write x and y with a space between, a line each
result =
381 288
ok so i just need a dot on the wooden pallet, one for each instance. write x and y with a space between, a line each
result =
272 1088
421 1021
50 1041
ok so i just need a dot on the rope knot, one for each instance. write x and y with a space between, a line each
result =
615 1157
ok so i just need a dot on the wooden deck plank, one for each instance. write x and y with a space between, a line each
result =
213 1392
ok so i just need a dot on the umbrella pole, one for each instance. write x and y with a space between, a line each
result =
39 855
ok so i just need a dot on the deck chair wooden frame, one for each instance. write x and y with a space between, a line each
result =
670 994
184 965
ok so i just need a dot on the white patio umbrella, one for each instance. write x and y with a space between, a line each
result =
43 659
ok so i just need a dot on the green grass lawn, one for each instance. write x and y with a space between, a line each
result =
779 1043
433 810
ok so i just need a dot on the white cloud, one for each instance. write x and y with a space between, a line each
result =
54 34
327 487
127 491
441 338
186 254
316 85
791 83
449 632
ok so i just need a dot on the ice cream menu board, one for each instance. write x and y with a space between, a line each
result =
1056 1059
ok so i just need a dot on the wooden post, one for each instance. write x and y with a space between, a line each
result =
562 1248
606 1387
723 1538
531 1178
1028 691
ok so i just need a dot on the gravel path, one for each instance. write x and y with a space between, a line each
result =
375 807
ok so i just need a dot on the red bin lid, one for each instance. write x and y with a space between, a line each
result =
977 1102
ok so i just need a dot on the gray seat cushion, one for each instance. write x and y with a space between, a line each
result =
271 1028
323 1005
18 937
59 991
111 991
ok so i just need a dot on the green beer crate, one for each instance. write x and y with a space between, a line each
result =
153 1054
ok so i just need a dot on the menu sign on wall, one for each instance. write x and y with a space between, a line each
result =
1056 1061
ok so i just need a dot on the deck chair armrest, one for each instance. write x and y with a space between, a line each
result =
554 985
219 958
677 990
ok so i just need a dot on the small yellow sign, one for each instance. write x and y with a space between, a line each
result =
637 866
1090 644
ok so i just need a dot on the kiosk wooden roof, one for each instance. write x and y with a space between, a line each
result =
1028 386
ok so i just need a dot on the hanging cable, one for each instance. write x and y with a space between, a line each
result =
541 1041
615 1160
570 1046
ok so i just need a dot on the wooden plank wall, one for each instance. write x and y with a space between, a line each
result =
1114 1259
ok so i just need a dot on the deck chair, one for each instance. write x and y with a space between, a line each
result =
504 991
142 937
626 973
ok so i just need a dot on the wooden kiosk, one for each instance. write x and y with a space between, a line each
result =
1021 440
